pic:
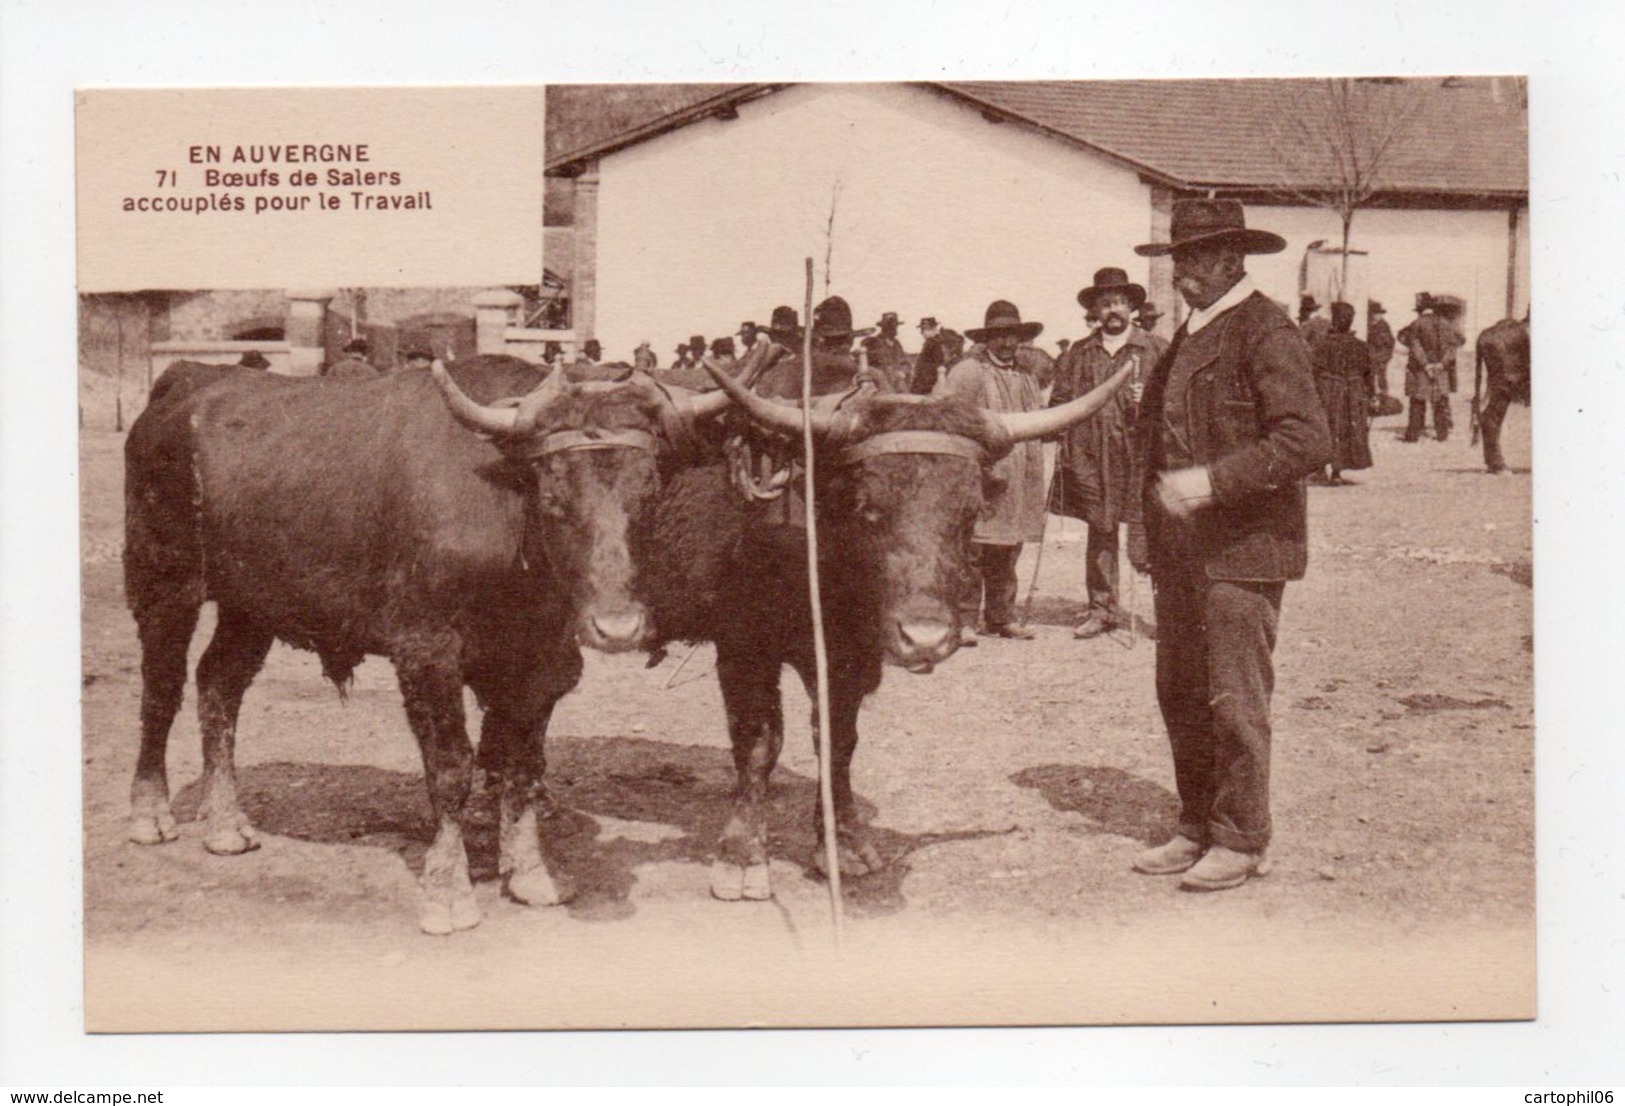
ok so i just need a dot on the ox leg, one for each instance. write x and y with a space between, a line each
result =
750 694
165 634
516 720
234 657
854 847
433 691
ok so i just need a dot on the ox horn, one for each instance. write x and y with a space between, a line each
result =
1023 426
512 417
765 411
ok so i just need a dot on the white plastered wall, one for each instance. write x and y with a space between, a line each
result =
937 211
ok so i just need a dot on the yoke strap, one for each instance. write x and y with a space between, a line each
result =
568 441
912 441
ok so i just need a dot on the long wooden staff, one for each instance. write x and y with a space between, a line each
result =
826 770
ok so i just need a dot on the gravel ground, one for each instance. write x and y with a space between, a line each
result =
1010 789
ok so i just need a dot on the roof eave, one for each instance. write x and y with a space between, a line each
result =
1147 173
574 162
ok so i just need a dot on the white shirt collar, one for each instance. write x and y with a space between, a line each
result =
1201 316
1110 344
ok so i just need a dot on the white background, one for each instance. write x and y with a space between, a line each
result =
1572 55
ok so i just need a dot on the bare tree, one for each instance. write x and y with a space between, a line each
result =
1334 140
829 232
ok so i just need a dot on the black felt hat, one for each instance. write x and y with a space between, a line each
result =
1004 318
1212 222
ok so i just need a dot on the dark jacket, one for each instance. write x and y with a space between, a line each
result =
1093 465
929 364
1380 337
1252 417
1429 341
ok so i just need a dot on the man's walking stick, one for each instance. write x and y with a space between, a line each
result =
1038 563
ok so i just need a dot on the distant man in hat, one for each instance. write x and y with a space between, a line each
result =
1430 360
1014 509
1314 325
254 359
885 352
417 357
1503 361
644 357
1342 366
696 348
591 354
1093 464
933 357
1379 339
684 357
352 363
749 334
722 352
834 366
1229 428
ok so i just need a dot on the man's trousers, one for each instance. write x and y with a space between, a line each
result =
1215 675
991 589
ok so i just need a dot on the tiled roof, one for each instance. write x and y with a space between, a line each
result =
1465 136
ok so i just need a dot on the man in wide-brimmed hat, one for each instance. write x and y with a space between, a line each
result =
785 326
1379 337
1094 463
1014 510
934 357
1229 428
353 363
1312 322
834 368
1146 319
1430 342
254 359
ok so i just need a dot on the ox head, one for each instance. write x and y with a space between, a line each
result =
901 481
590 454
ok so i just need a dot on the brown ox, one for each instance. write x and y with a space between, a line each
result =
357 518
899 487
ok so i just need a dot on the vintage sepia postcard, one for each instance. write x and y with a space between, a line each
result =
448 639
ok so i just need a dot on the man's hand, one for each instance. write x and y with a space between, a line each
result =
1183 491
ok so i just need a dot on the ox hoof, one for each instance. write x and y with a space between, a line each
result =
441 918
153 829
231 841
727 881
733 882
857 858
538 887
758 886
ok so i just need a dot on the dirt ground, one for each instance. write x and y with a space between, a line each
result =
1010 789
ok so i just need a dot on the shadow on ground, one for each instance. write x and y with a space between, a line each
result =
1057 611
674 799
1110 800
